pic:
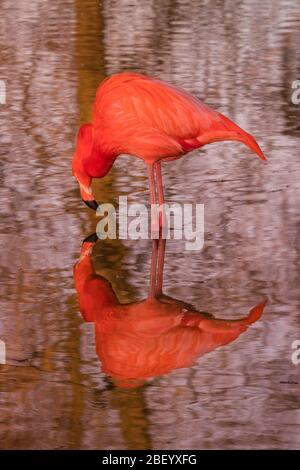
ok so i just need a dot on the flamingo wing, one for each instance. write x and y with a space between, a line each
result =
148 118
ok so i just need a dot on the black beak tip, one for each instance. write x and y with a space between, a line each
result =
93 238
92 204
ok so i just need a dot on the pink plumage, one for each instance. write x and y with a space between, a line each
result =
149 119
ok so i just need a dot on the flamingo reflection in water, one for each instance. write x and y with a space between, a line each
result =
141 340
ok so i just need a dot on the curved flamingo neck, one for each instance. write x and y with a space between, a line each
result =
98 163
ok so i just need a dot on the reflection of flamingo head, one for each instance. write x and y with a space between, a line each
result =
146 339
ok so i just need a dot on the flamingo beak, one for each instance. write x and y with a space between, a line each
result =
92 204
87 196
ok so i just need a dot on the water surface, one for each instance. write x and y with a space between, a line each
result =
239 57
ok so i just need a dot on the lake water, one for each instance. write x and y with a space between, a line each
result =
59 388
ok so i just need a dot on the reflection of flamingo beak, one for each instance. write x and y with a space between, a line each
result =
87 246
93 238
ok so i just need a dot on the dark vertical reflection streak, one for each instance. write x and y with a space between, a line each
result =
133 416
89 54
90 68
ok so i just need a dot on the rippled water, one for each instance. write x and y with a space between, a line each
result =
240 57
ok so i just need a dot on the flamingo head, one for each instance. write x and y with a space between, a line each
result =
82 155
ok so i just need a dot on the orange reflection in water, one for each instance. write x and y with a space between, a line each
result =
149 338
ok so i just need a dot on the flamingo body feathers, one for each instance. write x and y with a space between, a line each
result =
149 119
153 120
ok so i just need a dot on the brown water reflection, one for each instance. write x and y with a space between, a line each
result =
240 57
141 340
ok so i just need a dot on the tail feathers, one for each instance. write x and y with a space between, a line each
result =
225 129
248 140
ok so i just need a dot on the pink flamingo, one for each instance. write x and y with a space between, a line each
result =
151 120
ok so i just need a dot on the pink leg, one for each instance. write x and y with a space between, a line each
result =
157 220
154 212
160 190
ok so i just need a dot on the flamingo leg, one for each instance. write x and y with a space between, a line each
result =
157 219
160 191
154 211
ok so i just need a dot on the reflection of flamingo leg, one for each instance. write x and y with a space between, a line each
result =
160 267
153 268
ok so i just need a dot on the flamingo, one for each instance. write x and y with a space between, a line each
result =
149 338
149 119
